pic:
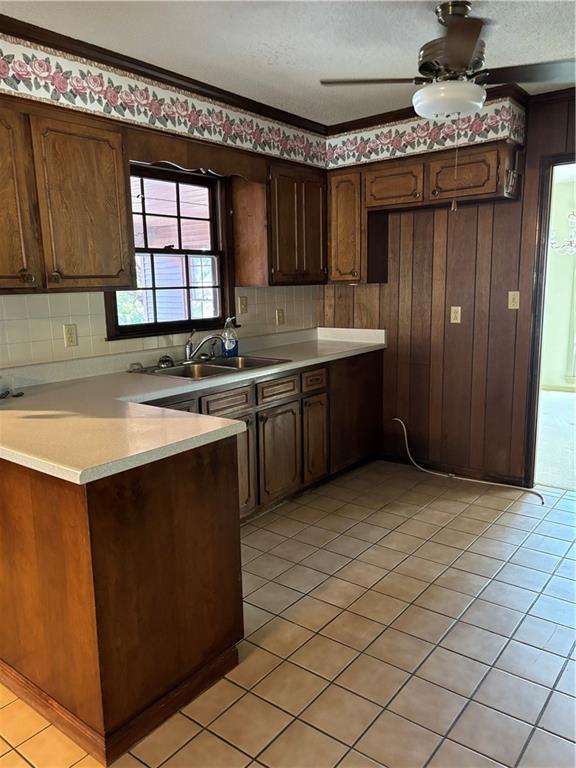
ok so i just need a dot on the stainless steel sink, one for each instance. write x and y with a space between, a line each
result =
192 371
244 363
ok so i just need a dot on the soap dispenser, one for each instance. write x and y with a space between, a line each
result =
230 338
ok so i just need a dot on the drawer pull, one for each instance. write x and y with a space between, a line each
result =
56 277
435 192
416 195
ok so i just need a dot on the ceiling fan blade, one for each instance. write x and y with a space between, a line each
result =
562 71
377 81
462 38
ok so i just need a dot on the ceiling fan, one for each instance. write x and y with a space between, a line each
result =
452 68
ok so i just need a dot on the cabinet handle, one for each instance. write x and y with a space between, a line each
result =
26 277
435 192
263 419
56 277
354 273
416 195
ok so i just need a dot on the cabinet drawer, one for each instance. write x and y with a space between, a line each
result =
312 380
278 389
232 401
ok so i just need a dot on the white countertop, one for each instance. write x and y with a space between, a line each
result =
85 429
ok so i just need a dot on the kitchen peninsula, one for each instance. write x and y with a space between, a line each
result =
120 586
129 534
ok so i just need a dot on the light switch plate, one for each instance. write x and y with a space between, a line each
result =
513 299
70 335
280 320
242 305
455 314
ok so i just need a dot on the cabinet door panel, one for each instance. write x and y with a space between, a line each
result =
284 228
279 451
394 184
83 200
473 175
20 254
345 227
315 429
247 466
312 256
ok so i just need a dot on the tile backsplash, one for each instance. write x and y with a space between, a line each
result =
31 326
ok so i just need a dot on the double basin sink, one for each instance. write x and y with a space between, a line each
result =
216 367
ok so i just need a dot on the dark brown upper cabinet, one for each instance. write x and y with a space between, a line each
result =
20 252
471 173
81 178
345 227
280 228
475 174
394 184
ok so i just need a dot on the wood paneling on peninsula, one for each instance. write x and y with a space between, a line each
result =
463 389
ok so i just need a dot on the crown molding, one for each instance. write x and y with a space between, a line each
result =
83 50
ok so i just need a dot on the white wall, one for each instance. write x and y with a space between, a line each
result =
560 302
31 326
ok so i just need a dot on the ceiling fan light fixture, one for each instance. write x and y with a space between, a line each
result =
449 98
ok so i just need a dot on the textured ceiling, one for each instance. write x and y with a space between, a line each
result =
276 52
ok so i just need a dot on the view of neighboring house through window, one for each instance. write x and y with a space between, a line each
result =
178 255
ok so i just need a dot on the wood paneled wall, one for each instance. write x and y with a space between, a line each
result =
462 389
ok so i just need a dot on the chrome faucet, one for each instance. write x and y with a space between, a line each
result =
192 352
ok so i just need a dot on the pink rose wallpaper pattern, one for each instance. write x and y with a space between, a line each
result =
62 79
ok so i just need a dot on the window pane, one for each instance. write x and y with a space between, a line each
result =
160 197
194 201
162 233
170 271
138 224
203 270
196 235
143 270
135 307
204 303
136 193
171 305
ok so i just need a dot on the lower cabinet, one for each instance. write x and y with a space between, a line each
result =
315 438
279 443
300 428
355 409
247 466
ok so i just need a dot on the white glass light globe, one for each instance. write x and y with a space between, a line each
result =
449 98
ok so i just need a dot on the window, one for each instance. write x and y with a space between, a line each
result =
182 279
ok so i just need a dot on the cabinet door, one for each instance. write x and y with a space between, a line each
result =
247 466
394 184
315 433
20 253
345 227
312 243
283 228
475 174
279 451
83 198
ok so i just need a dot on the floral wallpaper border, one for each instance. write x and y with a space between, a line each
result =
58 78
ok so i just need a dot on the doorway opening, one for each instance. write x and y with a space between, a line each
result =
556 433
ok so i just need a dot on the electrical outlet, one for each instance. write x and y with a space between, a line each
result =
513 299
455 314
70 335
280 319
242 305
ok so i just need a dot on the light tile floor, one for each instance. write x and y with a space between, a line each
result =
392 619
